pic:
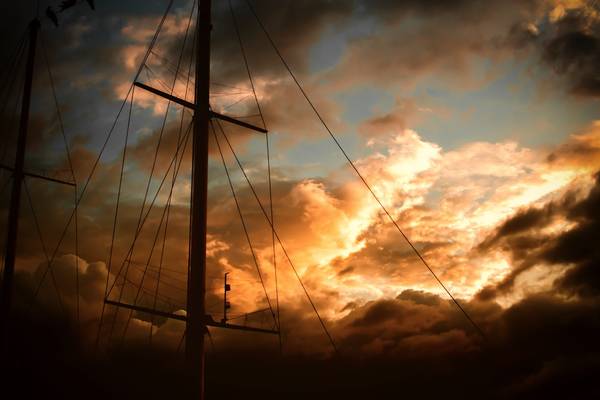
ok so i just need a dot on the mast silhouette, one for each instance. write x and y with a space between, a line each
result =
196 319
196 288
15 197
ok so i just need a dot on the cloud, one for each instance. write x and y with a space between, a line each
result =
430 38
417 337
529 241
394 121
580 151
572 49
81 302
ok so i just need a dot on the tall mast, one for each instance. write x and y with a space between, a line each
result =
15 197
196 319
196 312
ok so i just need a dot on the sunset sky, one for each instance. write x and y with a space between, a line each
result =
476 123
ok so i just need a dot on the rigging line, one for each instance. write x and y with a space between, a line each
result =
41 238
229 86
214 303
248 314
236 102
77 261
210 338
160 137
5 104
145 193
136 236
178 288
171 164
153 275
169 65
6 182
167 299
153 271
147 73
14 54
239 210
246 63
70 162
161 82
243 116
12 125
314 307
14 58
338 144
162 129
236 281
169 69
115 219
58 113
77 286
180 345
239 38
152 266
155 77
162 251
273 239
226 94
155 239
140 288
178 76
11 67
104 145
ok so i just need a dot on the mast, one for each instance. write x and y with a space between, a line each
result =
196 319
15 198
196 312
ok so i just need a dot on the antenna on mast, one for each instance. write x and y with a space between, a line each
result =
226 304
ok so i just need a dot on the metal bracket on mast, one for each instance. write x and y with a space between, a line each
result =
192 106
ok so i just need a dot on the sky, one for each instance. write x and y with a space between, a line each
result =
476 125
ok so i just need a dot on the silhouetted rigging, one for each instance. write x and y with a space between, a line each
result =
204 118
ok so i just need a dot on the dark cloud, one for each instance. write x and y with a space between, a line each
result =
430 37
577 247
521 35
390 123
573 50
573 249
295 27
523 221
542 346
346 270
529 219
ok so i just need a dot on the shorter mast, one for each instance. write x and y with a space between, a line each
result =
15 197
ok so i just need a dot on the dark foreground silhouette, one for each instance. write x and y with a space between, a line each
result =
46 361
